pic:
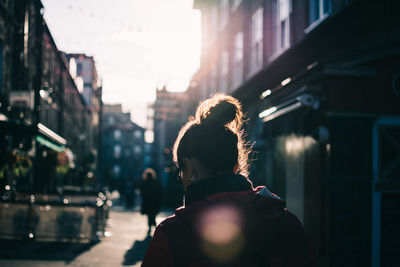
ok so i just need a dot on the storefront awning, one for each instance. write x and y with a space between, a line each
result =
50 139
304 100
49 144
41 133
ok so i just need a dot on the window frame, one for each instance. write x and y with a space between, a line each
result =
117 134
214 17
322 14
257 37
213 79
238 49
235 5
117 151
224 13
224 71
282 40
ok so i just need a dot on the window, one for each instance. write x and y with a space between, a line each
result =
116 171
137 134
319 9
236 4
282 29
117 134
1 67
257 39
26 38
111 120
224 71
78 69
214 21
224 9
238 59
204 89
213 79
117 151
137 149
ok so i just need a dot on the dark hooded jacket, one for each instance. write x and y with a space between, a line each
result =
226 222
151 191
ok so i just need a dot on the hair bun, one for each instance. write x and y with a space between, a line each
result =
220 110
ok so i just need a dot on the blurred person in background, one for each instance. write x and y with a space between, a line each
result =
151 191
225 221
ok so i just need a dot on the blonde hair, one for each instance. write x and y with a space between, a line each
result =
149 173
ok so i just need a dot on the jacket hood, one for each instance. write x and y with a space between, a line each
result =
253 206
224 183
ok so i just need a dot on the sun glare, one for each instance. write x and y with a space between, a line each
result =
222 238
136 44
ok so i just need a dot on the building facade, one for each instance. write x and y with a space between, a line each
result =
83 70
43 116
318 80
123 149
169 116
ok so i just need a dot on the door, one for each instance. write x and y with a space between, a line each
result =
386 192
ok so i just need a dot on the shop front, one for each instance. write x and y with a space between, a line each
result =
36 202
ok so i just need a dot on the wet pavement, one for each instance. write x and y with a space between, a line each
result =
125 246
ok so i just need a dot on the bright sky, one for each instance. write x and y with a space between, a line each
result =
137 45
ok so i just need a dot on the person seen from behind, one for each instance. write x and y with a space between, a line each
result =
225 221
151 191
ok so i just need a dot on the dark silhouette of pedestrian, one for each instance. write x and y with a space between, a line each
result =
151 191
225 221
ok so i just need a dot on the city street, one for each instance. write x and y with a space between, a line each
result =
125 246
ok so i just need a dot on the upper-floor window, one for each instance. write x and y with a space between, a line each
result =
137 149
224 9
224 71
117 134
116 171
257 39
236 4
204 89
319 9
137 134
78 69
238 59
282 28
1 66
213 79
26 37
111 120
117 151
214 18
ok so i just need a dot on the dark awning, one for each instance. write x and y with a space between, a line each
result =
41 133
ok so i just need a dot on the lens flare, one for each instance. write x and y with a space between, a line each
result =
222 237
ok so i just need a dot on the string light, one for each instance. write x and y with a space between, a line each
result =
103 18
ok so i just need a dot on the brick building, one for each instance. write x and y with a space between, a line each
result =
319 81
43 118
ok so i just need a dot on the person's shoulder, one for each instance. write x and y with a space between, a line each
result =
171 225
177 219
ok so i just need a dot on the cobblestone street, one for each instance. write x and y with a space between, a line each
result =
125 246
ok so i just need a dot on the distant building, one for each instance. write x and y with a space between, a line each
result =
167 122
83 71
169 116
123 148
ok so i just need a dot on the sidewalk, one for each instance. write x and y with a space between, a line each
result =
125 245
